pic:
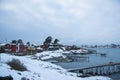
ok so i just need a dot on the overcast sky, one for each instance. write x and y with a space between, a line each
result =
71 21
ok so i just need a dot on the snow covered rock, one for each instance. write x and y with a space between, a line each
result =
47 55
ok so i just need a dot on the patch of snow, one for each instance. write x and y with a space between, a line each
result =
38 70
50 54
80 51
2 44
39 48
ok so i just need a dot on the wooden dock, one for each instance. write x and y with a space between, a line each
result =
79 57
104 69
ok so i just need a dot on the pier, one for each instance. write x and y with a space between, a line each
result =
105 69
79 57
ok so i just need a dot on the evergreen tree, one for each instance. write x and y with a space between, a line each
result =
14 41
20 41
28 43
48 40
56 41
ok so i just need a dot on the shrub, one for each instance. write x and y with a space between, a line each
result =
16 65
6 78
24 78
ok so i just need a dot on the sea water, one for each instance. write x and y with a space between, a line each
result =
112 55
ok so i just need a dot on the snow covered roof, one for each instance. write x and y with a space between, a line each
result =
39 48
2 44
35 44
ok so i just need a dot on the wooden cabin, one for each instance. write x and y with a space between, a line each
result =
7 47
13 48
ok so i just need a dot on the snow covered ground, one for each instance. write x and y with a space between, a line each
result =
50 54
39 70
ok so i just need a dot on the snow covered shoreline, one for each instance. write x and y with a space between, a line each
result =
38 70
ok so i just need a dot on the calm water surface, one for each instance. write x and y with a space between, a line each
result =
113 55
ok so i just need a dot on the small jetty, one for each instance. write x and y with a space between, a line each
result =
78 57
105 69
